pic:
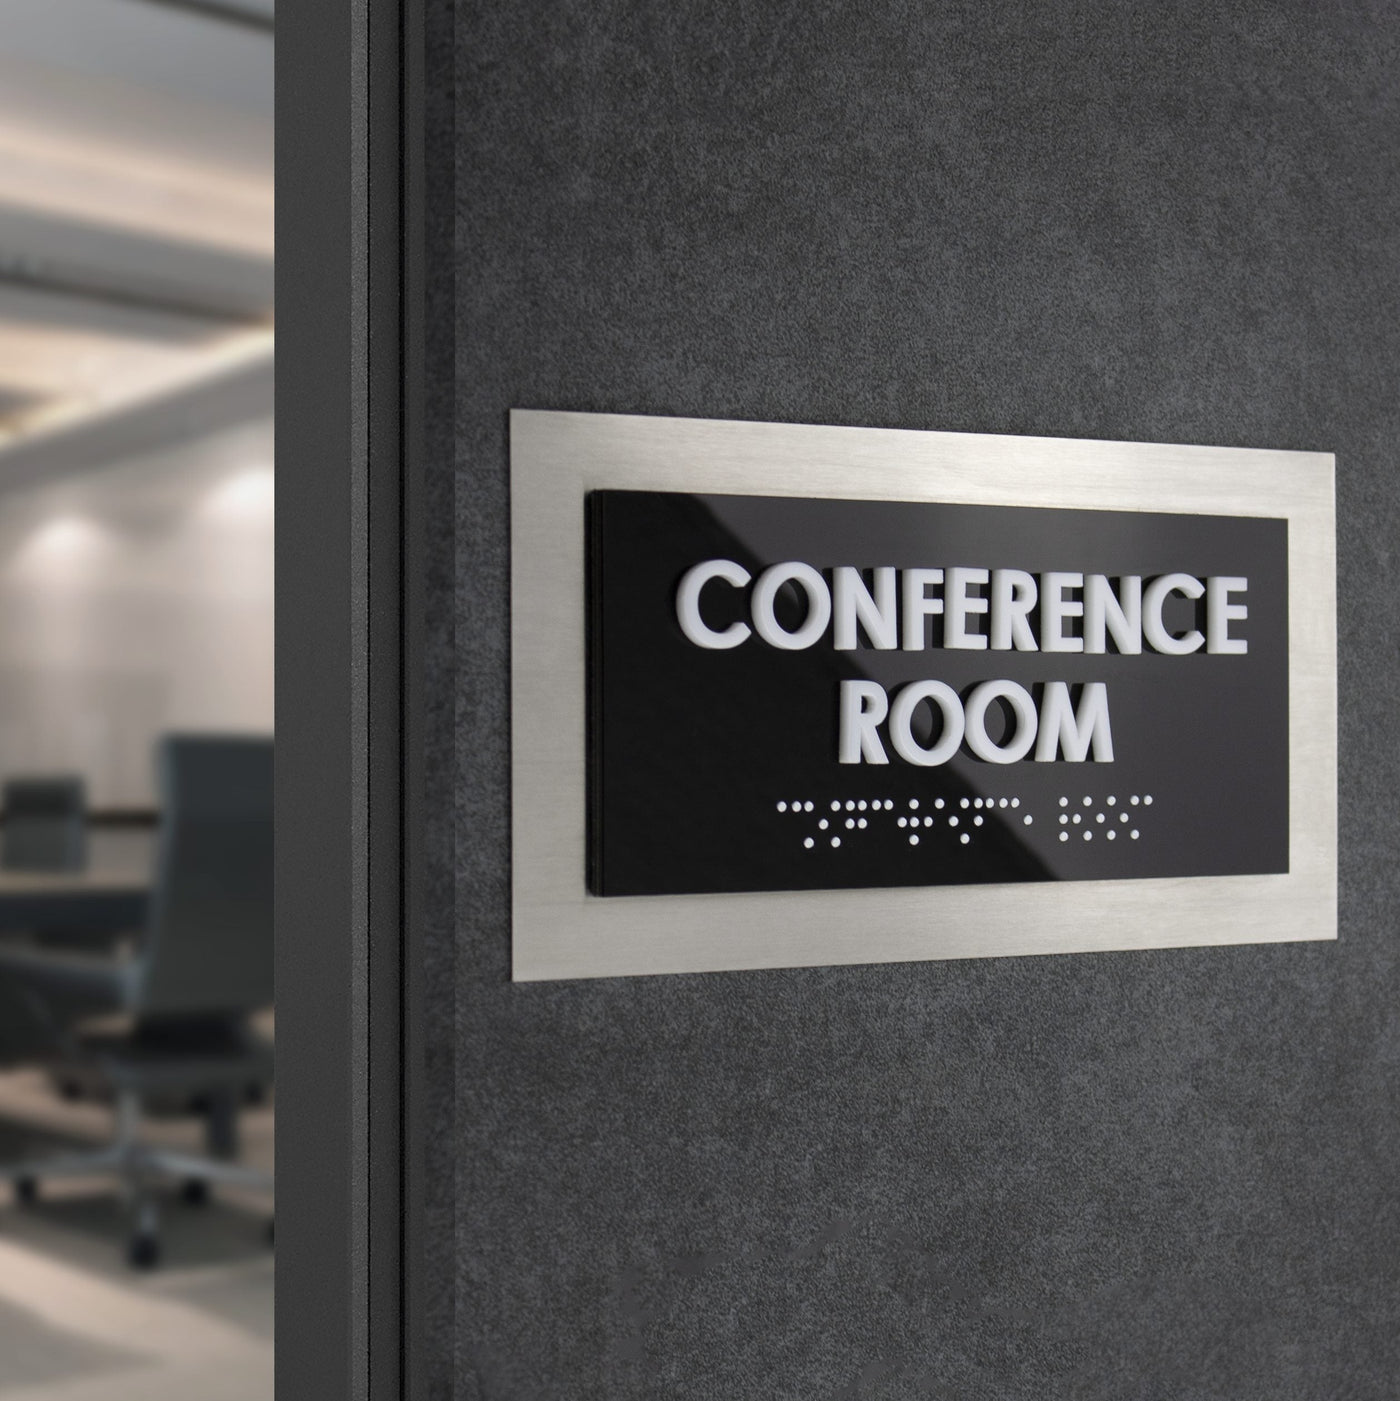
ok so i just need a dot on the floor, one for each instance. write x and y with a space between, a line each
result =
77 1325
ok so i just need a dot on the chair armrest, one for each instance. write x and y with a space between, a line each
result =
70 985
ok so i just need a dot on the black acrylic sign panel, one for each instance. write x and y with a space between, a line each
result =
717 770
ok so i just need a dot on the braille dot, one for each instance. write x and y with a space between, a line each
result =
850 806
836 841
938 803
913 802
1111 834
1122 816
1088 802
1028 819
1003 803
903 822
836 807
823 825
850 824
1098 817
1134 800
1147 800
1064 836
1134 834
963 802
964 839
807 806
797 806
861 823
1064 802
1077 819
977 802
889 803
1111 800
1015 802
953 821
928 822
977 821
861 805
782 807
1088 836
913 841
809 843
1064 819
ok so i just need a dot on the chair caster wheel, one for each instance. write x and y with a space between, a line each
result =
26 1190
143 1252
195 1192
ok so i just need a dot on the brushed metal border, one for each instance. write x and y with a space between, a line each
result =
559 930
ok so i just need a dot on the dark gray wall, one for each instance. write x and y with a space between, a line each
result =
1134 1175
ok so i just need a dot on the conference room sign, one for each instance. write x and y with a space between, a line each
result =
788 695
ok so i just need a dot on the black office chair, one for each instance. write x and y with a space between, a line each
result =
45 824
203 968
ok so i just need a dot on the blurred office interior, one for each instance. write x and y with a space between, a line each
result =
136 699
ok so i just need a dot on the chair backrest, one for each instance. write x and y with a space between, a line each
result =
209 944
45 824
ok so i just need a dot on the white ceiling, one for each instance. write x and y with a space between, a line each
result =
136 203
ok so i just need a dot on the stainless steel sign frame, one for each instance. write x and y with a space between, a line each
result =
561 930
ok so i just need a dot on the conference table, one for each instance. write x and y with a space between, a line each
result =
110 895
89 900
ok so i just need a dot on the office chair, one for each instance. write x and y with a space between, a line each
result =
45 830
45 824
203 968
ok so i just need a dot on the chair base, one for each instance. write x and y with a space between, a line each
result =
137 1167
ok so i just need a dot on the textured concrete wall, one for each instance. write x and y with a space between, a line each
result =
1135 1175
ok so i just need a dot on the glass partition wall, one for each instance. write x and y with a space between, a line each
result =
136 699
